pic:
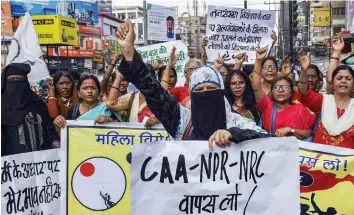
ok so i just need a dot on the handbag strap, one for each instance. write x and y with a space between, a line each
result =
187 130
317 123
272 120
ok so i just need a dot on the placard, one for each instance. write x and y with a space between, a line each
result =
231 31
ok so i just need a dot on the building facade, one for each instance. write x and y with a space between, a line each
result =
192 29
326 19
136 15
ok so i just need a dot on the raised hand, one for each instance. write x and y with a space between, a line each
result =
286 66
50 87
126 38
337 43
304 60
173 58
204 43
158 64
116 57
261 53
240 58
218 62
274 36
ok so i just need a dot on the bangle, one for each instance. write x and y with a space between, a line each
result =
335 58
257 72
52 97
303 82
112 64
115 87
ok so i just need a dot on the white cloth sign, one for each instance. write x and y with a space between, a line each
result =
33 183
254 177
161 23
25 48
231 31
162 51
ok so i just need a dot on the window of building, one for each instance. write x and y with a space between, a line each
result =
132 15
106 29
113 30
121 16
339 11
140 15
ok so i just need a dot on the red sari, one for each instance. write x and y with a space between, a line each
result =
295 116
314 101
180 93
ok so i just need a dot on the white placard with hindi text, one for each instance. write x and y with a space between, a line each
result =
231 31
33 183
162 51
254 177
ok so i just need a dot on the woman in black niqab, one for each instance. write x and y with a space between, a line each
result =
25 122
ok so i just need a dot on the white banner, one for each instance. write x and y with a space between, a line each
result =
161 23
234 30
162 52
33 183
254 177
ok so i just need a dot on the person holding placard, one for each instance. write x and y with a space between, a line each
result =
210 112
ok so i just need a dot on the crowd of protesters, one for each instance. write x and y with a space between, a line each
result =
219 102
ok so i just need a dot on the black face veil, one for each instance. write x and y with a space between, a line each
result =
16 94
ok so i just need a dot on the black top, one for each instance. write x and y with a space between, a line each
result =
158 100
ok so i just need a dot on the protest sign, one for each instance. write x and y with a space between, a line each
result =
25 48
31 183
98 165
162 52
231 31
161 23
326 179
254 177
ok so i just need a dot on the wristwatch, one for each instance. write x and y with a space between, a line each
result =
292 130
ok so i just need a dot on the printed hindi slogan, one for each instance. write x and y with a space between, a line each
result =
254 177
161 51
30 183
326 179
99 165
231 31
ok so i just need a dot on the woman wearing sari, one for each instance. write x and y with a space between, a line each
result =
336 126
207 96
62 97
279 114
90 107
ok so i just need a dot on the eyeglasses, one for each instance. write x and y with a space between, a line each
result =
237 84
67 83
281 87
270 67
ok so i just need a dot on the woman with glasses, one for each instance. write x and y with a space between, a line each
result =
280 116
268 74
336 125
239 93
62 97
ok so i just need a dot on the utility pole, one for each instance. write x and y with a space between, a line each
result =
291 28
245 4
145 24
198 27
